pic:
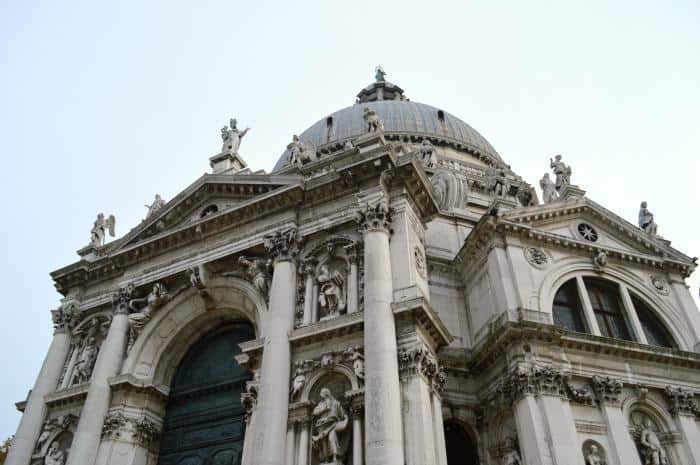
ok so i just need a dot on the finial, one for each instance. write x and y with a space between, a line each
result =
379 74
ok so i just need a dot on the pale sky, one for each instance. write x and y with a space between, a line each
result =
104 104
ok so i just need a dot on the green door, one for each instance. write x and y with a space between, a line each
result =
204 422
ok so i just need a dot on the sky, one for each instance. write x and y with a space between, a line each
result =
105 104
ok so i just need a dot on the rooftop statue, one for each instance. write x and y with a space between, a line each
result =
379 74
646 220
157 204
100 228
562 171
374 124
232 137
549 191
428 155
300 152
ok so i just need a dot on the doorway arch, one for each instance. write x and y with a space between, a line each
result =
204 421
461 447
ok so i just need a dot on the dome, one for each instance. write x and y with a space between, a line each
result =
401 117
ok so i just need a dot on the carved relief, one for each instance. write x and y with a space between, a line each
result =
142 310
421 361
142 431
86 361
607 390
660 284
55 455
65 317
52 429
375 216
600 260
282 245
451 190
582 395
536 256
351 358
354 355
259 273
681 401
249 398
593 453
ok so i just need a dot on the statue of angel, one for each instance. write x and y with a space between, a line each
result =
86 361
100 228
331 295
142 310
258 271
232 137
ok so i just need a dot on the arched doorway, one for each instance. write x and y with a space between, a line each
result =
461 448
204 422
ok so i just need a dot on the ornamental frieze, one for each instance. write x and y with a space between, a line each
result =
681 401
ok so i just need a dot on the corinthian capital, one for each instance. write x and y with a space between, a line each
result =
608 390
375 216
283 245
65 317
121 299
681 401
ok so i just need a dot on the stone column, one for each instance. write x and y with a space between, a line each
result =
683 408
109 361
531 435
353 283
419 423
440 445
71 364
309 296
291 436
383 428
585 301
622 448
273 403
357 455
33 417
127 440
303 457
249 401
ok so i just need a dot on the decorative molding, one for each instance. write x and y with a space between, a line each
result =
608 390
421 361
591 427
142 431
121 298
681 401
65 317
375 216
582 395
536 256
419 257
536 381
283 245
659 284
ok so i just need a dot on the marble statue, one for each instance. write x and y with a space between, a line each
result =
428 154
259 272
331 297
299 380
549 191
300 152
646 220
51 426
157 204
232 137
330 430
511 455
562 172
372 121
55 456
354 355
142 309
593 457
86 361
497 182
653 452
100 228
379 74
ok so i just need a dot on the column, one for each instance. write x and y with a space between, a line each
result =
33 417
249 401
71 364
128 442
561 429
353 280
304 443
309 296
683 408
383 428
290 444
440 446
632 316
357 440
588 313
419 423
531 434
273 403
109 361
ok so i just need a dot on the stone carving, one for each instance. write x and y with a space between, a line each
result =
375 216
55 455
536 380
86 361
419 257
114 423
593 456
562 172
428 154
354 355
249 398
121 299
450 190
332 291
511 453
421 361
653 452
65 317
53 427
588 232
153 208
282 245
100 228
259 272
535 256
142 310
300 152
330 437
379 74
232 137
549 190
607 390
582 395
496 182
681 401
372 121
196 278
660 284
646 220
299 380
600 260
145 431
142 430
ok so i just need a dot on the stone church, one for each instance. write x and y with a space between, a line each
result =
392 293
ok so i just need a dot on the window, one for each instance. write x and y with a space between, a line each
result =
567 308
607 307
654 330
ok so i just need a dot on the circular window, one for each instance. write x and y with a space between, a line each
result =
588 232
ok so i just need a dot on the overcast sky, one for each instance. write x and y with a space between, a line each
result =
104 104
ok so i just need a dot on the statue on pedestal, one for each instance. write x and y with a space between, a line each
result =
646 220
330 438
100 228
562 171
232 137
379 74
549 191
372 121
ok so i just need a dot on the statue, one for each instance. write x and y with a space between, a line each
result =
330 424
549 191
600 260
258 271
157 204
646 220
51 426
511 455
100 228
232 137
299 380
143 309
593 458
379 74
497 182
354 355
86 362
55 456
331 295
374 124
652 451
300 152
562 172
428 155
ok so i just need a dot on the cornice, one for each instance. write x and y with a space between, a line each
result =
421 310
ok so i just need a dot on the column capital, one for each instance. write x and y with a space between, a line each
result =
142 431
308 266
121 298
283 245
65 317
608 390
681 401
420 361
375 216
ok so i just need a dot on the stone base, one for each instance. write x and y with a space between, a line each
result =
369 141
502 204
227 163
571 192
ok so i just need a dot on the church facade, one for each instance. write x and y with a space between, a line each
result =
392 293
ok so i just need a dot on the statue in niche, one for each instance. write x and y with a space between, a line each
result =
330 438
300 152
497 182
55 455
354 355
428 154
299 380
232 137
652 450
332 291
157 204
562 172
646 220
593 456
259 272
143 308
549 191
100 228
511 455
86 361
372 121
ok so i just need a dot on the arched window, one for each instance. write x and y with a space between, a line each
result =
566 308
461 449
654 330
607 307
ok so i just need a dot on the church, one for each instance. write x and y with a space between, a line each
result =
392 293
